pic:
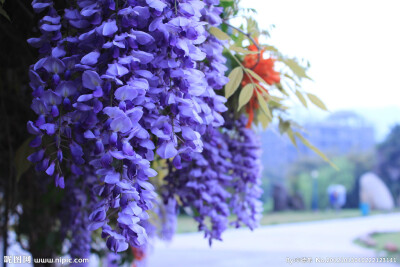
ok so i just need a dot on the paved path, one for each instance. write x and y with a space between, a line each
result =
274 245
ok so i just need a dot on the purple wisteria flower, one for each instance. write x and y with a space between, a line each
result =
118 85
245 147
223 181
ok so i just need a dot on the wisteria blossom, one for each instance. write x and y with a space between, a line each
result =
121 84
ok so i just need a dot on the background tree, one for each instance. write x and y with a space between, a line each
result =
388 161
22 196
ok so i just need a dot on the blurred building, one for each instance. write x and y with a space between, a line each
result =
340 133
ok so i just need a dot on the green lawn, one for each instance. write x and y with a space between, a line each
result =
381 240
187 224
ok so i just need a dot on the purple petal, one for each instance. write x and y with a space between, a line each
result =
50 28
112 178
50 169
54 65
91 80
58 52
156 4
59 180
113 112
121 124
144 57
109 28
177 162
142 37
32 129
36 142
126 93
116 70
84 98
50 128
89 135
37 156
167 150
95 225
91 58
51 98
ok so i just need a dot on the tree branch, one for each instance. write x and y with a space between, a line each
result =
250 38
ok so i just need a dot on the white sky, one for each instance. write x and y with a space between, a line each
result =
353 47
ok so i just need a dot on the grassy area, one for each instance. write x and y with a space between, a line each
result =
187 224
381 239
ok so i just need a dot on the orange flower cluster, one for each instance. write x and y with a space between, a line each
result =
138 255
265 69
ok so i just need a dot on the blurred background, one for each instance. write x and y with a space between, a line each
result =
313 211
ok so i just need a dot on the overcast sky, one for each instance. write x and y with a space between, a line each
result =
353 47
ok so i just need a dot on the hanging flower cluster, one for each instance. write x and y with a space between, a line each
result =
76 205
229 163
244 147
202 185
120 84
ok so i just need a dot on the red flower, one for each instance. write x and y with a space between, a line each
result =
138 253
265 69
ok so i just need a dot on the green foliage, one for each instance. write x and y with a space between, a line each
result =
301 98
2 11
270 101
235 78
219 34
242 50
264 106
382 239
296 68
245 94
316 101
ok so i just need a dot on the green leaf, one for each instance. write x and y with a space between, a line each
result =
263 105
256 76
22 164
316 150
271 48
252 26
263 119
245 95
301 98
275 98
235 77
219 34
4 13
242 50
296 68
283 126
291 78
291 136
280 88
316 101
